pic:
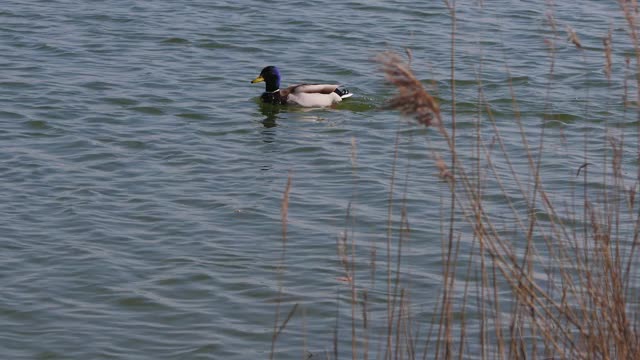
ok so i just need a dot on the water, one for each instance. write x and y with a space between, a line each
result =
142 180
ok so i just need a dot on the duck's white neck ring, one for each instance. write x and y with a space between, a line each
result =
274 91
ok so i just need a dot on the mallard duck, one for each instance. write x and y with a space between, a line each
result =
308 95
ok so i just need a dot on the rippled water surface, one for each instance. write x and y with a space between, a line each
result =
142 180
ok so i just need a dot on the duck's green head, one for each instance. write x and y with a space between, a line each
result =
271 76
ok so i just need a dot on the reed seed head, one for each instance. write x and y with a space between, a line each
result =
412 98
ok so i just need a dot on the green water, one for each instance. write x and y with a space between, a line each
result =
142 179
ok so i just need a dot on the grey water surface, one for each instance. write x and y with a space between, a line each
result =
142 180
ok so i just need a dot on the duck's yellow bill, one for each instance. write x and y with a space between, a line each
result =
257 80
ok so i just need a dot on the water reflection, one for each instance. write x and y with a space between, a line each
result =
268 134
270 112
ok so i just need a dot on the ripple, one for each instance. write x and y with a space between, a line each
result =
121 101
150 110
16 85
37 124
175 41
137 302
193 116
11 115
212 45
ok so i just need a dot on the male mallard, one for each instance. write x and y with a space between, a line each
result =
309 95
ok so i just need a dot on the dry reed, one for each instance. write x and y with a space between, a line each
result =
585 308
588 314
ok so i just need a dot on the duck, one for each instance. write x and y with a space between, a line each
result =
306 95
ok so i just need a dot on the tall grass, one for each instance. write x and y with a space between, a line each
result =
562 283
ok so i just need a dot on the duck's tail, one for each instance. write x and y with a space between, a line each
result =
343 93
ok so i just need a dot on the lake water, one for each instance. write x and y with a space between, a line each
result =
142 180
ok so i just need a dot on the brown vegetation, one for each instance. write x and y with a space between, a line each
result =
586 305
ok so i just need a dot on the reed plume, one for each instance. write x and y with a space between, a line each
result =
412 98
